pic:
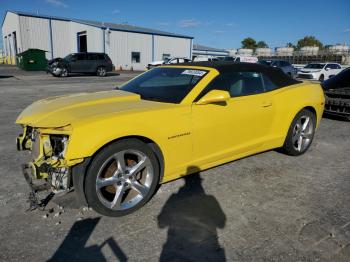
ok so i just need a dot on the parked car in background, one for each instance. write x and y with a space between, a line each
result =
285 66
245 59
91 63
226 58
205 58
319 71
337 93
168 61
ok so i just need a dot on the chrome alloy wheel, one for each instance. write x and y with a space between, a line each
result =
302 133
101 71
124 179
64 72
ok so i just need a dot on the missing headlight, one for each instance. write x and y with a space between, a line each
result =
59 145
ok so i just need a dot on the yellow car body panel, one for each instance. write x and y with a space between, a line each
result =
190 136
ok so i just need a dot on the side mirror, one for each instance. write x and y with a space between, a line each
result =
327 68
214 96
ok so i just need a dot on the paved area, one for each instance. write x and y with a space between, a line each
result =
267 207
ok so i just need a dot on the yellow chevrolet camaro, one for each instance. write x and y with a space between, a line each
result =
115 147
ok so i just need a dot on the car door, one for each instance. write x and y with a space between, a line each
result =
91 63
237 127
77 63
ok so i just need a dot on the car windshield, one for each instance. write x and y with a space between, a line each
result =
162 84
314 66
68 57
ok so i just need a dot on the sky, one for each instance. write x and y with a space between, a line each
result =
220 23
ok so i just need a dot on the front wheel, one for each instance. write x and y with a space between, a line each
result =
122 178
64 72
300 134
321 78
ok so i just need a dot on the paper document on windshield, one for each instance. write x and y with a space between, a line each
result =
194 72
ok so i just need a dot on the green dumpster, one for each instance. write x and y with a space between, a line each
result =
32 60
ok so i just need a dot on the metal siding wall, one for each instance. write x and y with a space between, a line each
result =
11 24
121 44
35 33
176 47
94 37
61 33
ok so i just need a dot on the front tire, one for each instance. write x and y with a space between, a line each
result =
321 78
64 72
122 178
300 134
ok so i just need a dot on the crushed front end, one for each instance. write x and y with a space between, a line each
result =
48 169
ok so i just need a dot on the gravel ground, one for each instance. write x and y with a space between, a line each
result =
267 207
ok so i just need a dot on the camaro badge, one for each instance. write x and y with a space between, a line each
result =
179 135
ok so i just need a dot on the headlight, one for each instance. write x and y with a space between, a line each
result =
59 145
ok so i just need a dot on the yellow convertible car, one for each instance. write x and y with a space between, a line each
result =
115 147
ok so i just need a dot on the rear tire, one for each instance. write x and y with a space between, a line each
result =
101 71
300 134
121 178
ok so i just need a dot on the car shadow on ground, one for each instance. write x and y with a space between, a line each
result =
73 246
5 76
192 218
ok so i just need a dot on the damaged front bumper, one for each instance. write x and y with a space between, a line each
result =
49 169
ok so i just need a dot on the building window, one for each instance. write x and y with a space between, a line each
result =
135 57
166 57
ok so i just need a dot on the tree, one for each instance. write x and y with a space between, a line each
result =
291 45
249 43
309 41
262 44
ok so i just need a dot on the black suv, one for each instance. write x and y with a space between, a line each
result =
95 63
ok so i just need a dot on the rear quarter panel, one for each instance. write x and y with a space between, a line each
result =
288 101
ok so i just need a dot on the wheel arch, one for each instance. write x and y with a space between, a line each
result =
292 116
312 110
79 171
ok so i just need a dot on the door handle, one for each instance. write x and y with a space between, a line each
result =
266 104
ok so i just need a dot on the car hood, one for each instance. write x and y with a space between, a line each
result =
58 59
60 111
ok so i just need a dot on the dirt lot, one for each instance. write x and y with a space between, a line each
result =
268 207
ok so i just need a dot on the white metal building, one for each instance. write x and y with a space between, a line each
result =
206 51
128 46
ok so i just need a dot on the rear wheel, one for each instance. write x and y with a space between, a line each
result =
300 133
101 71
121 178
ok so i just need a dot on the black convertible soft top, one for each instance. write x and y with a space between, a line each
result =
276 75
